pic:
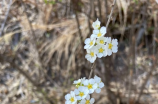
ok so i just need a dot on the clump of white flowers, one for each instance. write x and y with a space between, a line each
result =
85 87
98 45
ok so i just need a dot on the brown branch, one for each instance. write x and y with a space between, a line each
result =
92 69
99 6
112 9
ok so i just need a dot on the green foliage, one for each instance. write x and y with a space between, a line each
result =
51 1
136 1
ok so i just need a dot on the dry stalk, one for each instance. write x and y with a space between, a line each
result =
3 24
107 24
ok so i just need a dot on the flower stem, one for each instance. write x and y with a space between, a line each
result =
107 24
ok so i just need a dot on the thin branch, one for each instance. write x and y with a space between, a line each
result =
7 13
92 69
99 6
107 24
106 10
80 33
114 2
143 85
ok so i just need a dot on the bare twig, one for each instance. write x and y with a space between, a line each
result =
99 6
92 69
112 9
80 33
7 13
143 85
106 10
132 48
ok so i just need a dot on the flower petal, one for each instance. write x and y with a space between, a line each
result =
98 90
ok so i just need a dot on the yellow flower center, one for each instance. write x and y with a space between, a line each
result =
97 26
87 102
90 86
110 46
91 43
72 99
101 50
101 42
99 34
92 54
81 94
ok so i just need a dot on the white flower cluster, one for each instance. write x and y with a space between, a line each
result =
98 45
84 88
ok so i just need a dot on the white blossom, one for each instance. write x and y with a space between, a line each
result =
101 40
79 82
81 92
101 51
87 100
91 54
71 98
89 42
111 46
99 33
90 84
99 83
96 24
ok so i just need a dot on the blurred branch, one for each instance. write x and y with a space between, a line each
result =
99 6
92 69
7 13
106 10
112 9
145 81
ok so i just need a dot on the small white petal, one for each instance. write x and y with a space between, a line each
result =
87 41
67 102
93 36
97 79
92 100
98 90
114 42
95 86
67 97
109 52
100 55
108 39
76 91
85 82
86 46
78 97
91 81
103 30
95 32
114 49
101 85
88 97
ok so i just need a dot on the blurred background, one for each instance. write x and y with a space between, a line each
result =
41 50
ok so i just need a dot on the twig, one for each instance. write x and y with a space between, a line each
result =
3 24
80 33
143 85
106 10
114 2
99 6
132 40
92 69
107 24
90 11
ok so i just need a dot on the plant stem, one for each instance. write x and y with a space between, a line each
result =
107 24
